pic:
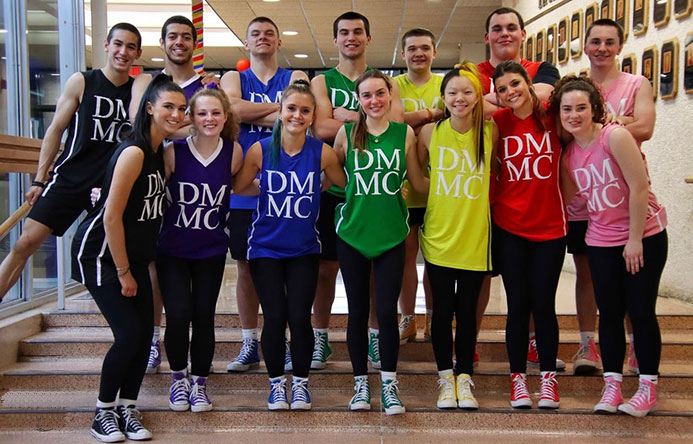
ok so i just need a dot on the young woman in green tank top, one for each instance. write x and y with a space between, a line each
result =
456 234
371 227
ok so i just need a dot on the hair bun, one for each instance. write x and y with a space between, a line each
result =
303 82
457 66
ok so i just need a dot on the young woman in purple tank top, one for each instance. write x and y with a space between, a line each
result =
626 238
283 244
191 251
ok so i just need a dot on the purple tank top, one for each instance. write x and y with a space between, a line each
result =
194 225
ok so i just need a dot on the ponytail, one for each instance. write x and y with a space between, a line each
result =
300 86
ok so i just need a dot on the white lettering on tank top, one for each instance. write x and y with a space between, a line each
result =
202 201
153 205
386 168
341 99
600 187
258 97
530 168
298 199
106 109
468 172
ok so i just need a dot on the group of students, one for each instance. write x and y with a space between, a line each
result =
493 162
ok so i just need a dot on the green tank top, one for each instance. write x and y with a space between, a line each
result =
342 93
456 232
415 98
374 217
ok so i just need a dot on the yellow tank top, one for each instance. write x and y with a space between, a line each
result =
415 98
456 232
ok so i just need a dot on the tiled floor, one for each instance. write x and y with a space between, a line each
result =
565 298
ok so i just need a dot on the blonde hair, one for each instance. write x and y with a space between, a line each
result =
230 130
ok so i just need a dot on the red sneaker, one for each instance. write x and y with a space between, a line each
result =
519 395
533 355
549 398
587 359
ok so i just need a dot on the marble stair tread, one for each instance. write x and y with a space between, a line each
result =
225 400
232 334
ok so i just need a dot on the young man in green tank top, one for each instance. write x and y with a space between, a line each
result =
419 90
336 104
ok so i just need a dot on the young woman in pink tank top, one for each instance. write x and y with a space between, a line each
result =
626 231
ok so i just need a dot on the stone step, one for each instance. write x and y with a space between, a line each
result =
491 321
245 409
89 341
490 377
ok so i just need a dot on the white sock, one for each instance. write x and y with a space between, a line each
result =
616 376
630 339
156 336
278 378
105 405
651 378
545 373
127 402
296 380
532 335
443 373
249 333
374 331
429 312
320 330
388 376
585 337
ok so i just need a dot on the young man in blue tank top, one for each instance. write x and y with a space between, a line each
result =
96 123
254 95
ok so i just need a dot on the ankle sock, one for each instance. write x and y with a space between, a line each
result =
249 333
156 336
585 337
617 376
105 405
442 373
388 376
651 378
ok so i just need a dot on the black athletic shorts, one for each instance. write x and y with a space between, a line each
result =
325 224
59 210
416 216
576 237
238 223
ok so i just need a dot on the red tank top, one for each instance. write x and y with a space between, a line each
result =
528 200
486 71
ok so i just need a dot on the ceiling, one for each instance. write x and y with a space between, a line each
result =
454 22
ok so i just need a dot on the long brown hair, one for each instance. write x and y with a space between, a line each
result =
512 67
359 132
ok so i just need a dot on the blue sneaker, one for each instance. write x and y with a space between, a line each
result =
199 401
277 397
154 358
248 357
178 400
300 396
288 366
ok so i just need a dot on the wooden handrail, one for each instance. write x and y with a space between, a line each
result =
13 219
19 154
689 179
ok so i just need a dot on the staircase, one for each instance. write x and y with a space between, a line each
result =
49 394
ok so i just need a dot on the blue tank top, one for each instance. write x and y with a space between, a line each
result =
253 90
288 204
194 225
190 86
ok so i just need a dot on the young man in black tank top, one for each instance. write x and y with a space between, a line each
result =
94 105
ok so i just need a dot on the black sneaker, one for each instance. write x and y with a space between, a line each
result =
130 423
105 426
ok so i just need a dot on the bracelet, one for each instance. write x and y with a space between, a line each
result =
430 115
36 183
122 271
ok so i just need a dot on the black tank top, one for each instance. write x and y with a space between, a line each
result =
100 123
92 262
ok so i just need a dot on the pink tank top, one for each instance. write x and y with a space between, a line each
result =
619 100
601 184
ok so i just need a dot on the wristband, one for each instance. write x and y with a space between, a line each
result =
36 183
430 115
122 271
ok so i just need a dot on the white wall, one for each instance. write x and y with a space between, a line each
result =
669 152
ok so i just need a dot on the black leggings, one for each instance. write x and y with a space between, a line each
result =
356 272
530 272
286 289
189 290
618 292
131 320
455 293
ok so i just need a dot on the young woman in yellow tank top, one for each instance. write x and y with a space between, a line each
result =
456 237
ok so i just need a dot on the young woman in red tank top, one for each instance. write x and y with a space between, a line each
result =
529 228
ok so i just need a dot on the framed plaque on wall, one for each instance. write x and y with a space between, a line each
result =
661 10
576 35
688 65
649 67
682 8
551 44
640 16
605 9
628 64
562 50
530 48
590 15
539 42
621 16
669 69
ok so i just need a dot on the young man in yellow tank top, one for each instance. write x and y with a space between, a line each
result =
419 90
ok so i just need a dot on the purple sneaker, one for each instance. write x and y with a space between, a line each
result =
178 401
199 401
154 358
